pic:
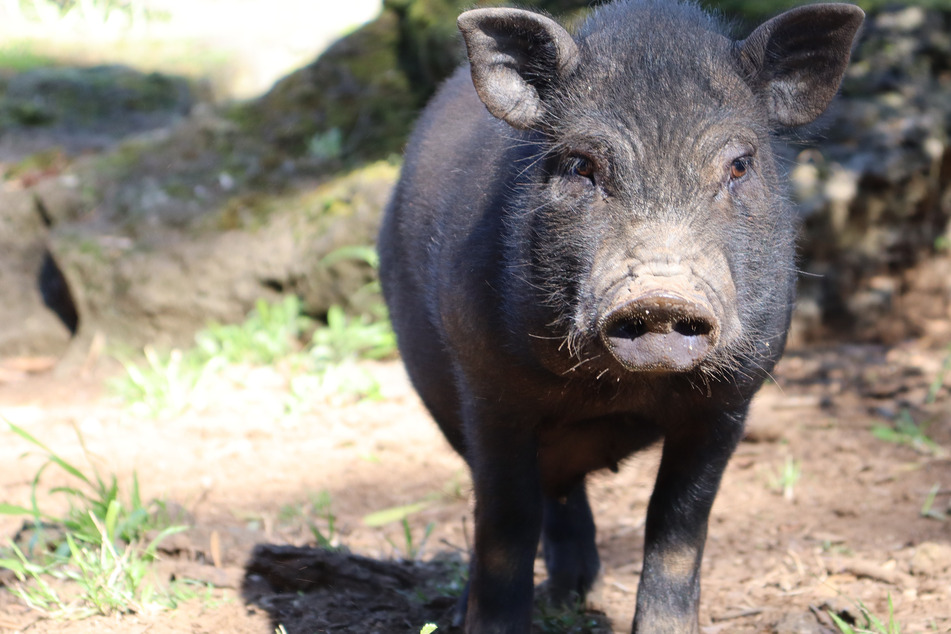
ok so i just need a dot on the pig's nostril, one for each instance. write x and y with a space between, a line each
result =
692 328
628 329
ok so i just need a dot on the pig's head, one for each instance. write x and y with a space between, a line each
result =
652 220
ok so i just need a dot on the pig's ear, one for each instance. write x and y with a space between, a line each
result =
797 59
515 57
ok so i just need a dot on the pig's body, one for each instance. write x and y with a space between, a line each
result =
463 301
608 263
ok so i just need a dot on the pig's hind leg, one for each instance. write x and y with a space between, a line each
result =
568 543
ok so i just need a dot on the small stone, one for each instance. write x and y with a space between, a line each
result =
930 559
843 608
798 623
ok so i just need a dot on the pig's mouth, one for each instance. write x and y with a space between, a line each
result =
660 331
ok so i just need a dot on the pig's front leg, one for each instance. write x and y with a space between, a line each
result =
508 517
691 466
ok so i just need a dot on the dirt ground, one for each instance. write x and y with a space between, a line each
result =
245 469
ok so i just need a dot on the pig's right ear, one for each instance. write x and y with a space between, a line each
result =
797 59
515 57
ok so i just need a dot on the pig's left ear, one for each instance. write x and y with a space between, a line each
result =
515 57
797 59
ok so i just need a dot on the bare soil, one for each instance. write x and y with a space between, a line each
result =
244 468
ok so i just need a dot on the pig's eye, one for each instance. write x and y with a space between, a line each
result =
580 166
740 167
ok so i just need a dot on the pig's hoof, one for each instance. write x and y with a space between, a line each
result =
572 570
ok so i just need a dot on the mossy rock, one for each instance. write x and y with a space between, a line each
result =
756 11
141 282
97 97
357 87
366 90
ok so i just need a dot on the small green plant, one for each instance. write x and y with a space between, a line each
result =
46 160
273 334
320 506
429 628
20 57
326 145
270 333
346 378
334 352
907 432
455 583
396 513
362 253
836 548
410 548
563 619
938 380
346 339
372 289
928 510
317 516
942 243
87 11
168 384
784 481
100 545
40 594
872 624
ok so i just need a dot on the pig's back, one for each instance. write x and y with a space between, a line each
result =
440 243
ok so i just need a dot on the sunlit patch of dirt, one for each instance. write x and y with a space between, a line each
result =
245 469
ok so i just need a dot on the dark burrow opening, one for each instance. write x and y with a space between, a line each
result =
56 294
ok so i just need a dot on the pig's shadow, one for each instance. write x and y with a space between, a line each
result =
307 590
320 590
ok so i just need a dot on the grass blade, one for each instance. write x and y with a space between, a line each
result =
70 469
394 514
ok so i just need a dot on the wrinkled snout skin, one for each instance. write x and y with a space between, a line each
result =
589 251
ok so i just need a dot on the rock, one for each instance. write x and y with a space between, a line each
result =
874 190
931 559
845 609
798 623
80 109
46 114
140 281
27 324
357 102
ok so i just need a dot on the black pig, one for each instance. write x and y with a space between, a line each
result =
589 251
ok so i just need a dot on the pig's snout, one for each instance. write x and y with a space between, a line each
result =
660 331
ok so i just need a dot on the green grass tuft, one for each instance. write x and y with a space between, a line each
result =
323 358
785 479
99 554
872 624
907 432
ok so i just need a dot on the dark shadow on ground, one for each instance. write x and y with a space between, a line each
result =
319 590
308 590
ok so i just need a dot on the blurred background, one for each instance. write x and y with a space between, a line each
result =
142 142
166 163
